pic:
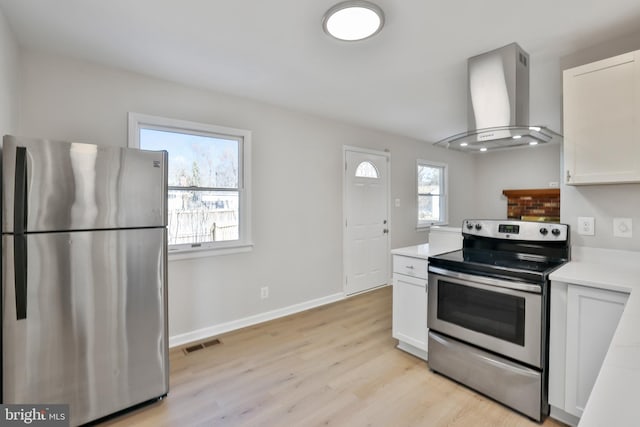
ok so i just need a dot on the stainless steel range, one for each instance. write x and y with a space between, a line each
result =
488 310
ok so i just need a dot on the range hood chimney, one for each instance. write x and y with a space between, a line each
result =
498 104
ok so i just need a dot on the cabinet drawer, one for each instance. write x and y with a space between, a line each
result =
415 267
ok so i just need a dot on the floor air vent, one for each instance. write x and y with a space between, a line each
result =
200 346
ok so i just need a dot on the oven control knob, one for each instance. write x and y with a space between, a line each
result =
555 232
478 227
544 231
469 226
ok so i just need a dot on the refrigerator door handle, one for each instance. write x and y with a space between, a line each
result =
19 238
20 192
20 269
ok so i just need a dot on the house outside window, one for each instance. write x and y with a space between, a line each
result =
208 179
432 193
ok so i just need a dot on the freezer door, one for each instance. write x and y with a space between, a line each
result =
73 186
95 331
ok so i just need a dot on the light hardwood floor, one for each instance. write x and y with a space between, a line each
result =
334 365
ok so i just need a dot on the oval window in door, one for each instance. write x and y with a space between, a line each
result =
367 170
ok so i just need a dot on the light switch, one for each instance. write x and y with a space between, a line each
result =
622 227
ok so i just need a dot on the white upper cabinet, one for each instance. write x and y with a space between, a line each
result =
602 121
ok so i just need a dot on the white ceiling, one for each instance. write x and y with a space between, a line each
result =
410 79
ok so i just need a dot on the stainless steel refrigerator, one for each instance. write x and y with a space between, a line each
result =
84 268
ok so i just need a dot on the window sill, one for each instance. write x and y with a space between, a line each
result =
423 227
209 252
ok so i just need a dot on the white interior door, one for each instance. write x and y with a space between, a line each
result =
366 220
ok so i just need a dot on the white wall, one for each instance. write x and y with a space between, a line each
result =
297 182
403 167
530 167
8 79
603 202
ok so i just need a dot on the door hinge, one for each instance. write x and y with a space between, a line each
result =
345 166
568 175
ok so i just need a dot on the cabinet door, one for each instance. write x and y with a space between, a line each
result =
602 121
410 310
592 318
558 343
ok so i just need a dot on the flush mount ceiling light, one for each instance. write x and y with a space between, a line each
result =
353 20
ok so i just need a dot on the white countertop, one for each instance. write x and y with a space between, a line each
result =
418 251
615 398
441 239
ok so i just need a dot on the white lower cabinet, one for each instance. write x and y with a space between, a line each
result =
410 304
583 321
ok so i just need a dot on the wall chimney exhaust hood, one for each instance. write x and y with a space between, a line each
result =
498 104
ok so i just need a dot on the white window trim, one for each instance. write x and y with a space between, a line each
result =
244 243
445 194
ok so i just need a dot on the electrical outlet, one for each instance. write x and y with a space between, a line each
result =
264 292
586 225
622 227
397 203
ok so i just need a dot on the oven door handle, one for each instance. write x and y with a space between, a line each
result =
487 280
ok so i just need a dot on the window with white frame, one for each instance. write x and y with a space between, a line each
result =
432 193
208 179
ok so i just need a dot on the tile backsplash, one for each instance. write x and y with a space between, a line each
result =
533 204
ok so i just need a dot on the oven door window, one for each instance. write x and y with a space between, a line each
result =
491 313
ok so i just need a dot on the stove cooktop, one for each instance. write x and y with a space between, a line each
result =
507 249
504 265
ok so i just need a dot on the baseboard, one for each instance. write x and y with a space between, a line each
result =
418 352
211 331
563 416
